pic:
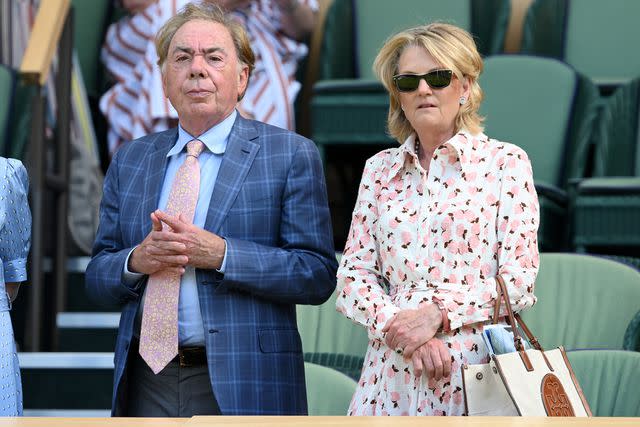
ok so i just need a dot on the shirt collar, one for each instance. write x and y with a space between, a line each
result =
460 145
215 138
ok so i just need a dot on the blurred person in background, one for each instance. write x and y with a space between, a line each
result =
15 239
136 105
435 221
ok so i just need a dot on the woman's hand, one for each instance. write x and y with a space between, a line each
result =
410 329
12 290
433 359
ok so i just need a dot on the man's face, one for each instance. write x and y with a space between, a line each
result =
202 75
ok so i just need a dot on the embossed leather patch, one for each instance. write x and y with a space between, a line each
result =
554 398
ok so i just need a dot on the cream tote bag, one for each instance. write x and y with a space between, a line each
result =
529 382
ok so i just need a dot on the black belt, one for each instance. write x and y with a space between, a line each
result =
188 357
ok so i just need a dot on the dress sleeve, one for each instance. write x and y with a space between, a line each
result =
516 251
15 233
362 296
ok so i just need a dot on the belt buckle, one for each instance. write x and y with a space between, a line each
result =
183 360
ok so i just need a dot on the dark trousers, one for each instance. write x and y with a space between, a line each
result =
176 391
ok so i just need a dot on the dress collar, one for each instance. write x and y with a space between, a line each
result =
457 148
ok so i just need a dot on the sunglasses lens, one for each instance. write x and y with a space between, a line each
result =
438 79
407 83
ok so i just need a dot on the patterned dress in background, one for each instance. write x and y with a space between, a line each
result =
136 106
15 235
445 234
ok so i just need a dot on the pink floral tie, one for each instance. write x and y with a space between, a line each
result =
159 330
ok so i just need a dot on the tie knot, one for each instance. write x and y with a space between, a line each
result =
194 148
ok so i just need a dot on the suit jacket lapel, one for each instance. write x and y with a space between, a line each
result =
236 163
154 176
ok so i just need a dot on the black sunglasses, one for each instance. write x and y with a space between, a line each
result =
436 79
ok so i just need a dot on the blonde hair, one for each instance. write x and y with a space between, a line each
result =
205 12
449 45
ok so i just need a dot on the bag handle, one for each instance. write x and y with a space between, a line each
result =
513 319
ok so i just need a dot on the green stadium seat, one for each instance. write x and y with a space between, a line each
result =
565 29
585 302
330 339
606 208
328 392
91 19
609 380
546 108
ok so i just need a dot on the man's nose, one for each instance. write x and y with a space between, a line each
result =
198 69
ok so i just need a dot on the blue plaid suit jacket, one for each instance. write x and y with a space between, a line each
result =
270 204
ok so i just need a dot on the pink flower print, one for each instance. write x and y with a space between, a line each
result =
457 397
491 200
435 273
474 242
453 278
475 263
452 247
393 223
471 309
346 291
471 176
485 270
500 162
446 223
469 344
392 371
455 345
470 279
395 397
514 191
406 237
511 163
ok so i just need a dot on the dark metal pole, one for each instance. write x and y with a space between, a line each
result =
36 278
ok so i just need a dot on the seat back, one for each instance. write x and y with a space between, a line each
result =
565 29
617 150
355 30
583 301
603 54
377 20
609 380
324 330
91 19
328 392
531 102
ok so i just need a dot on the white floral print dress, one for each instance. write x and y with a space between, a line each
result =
445 234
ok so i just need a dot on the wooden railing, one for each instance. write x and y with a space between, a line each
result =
52 32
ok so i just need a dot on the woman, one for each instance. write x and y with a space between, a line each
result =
136 106
15 236
435 221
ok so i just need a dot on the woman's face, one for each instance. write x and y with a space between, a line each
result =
427 109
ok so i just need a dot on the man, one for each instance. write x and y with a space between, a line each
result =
249 244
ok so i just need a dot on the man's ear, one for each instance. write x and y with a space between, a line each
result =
243 80
164 81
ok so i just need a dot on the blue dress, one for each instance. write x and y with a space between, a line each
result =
15 236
